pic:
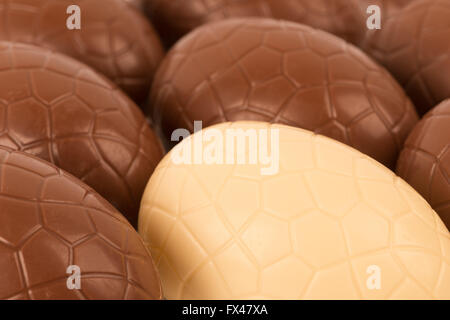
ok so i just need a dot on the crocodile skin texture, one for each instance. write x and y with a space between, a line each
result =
114 39
175 18
425 160
50 220
414 46
283 72
62 111
311 231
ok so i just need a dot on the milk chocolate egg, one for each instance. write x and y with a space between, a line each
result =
174 18
267 70
60 240
414 47
288 215
425 159
64 112
113 38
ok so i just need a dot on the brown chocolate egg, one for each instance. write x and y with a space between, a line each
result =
174 18
62 111
425 160
113 38
60 240
414 46
282 72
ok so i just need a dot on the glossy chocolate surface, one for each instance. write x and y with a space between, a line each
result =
114 39
283 72
63 111
49 220
425 160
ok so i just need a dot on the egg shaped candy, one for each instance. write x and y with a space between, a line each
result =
64 112
60 240
256 210
413 45
112 38
175 18
282 72
425 159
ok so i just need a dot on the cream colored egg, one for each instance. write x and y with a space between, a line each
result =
311 218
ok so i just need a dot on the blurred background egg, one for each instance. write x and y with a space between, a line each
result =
413 45
113 38
175 18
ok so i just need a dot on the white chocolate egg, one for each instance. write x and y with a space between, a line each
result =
311 218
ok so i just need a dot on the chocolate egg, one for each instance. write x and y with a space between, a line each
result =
414 46
62 111
174 18
252 210
60 240
425 160
283 72
113 38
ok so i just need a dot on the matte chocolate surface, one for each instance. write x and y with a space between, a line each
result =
138 4
261 69
414 46
63 111
425 160
50 220
114 39
174 18
388 7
